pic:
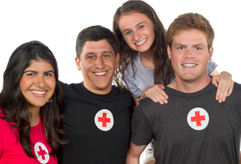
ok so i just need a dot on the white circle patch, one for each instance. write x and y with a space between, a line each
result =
198 118
41 152
104 120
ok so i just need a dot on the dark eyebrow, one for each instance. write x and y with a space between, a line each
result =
89 53
109 52
30 71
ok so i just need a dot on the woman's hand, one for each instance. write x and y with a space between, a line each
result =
224 83
155 93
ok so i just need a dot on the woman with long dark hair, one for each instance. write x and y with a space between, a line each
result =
31 105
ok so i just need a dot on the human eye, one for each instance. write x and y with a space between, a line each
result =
127 33
106 55
90 57
198 48
48 74
31 74
180 47
141 26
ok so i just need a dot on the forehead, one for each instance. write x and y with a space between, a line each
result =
132 18
97 46
190 36
40 65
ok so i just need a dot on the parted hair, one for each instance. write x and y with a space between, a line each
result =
190 21
15 107
163 70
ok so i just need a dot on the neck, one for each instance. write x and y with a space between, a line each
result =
190 86
147 59
35 117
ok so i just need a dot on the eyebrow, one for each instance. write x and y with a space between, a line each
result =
92 53
36 71
183 45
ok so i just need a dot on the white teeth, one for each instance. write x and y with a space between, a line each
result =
189 65
141 42
100 73
39 92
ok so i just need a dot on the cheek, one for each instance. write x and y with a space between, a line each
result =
51 83
24 84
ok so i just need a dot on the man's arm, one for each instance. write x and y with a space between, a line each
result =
134 152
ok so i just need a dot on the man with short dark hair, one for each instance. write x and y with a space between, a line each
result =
96 121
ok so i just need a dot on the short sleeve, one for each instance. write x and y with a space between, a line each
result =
141 128
211 66
135 91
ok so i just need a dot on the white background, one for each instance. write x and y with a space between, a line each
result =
57 24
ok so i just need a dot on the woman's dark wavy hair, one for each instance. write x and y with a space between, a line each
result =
14 105
163 70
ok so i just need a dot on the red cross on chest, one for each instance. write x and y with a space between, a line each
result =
41 152
104 119
197 118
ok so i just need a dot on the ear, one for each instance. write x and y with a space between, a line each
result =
77 62
169 52
210 53
117 59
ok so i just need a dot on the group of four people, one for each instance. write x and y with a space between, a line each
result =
46 121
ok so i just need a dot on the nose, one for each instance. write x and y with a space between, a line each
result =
189 53
136 35
40 81
99 63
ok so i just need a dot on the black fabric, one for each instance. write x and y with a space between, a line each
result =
176 142
86 143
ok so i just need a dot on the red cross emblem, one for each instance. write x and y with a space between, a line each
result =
41 152
104 120
198 118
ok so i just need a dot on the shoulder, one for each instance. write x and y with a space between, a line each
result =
125 95
236 90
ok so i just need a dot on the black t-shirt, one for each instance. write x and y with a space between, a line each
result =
97 127
192 128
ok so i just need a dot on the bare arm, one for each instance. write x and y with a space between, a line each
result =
239 157
224 83
134 152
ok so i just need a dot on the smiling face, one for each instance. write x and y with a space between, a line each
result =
137 30
97 63
38 83
190 55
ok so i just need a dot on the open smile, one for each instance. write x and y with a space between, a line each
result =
100 73
189 65
141 42
38 93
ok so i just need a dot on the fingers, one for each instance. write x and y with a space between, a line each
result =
156 94
225 88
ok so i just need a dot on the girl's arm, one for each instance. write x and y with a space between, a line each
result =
224 83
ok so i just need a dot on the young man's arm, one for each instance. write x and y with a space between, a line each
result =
134 153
